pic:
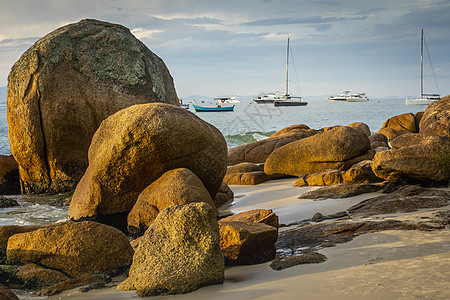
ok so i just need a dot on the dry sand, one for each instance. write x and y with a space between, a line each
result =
385 265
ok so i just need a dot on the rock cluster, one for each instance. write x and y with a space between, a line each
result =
136 146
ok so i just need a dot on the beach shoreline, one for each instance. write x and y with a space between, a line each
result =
393 264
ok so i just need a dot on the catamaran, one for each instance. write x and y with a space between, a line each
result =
424 99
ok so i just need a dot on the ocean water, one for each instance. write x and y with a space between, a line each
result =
249 122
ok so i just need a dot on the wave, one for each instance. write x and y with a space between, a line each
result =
246 137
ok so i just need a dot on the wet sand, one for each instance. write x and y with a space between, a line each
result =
391 264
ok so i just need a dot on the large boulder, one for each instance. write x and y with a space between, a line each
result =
64 86
257 152
75 248
336 148
9 176
436 118
401 122
137 145
178 186
418 156
180 252
8 231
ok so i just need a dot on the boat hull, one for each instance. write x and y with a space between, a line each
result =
290 103
213 109
410 102
357 99
264 101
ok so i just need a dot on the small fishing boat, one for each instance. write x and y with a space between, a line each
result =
218 107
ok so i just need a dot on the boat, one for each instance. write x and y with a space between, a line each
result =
268 98
227 100
218 107
357 97
349 97
341 97
424 99
287 99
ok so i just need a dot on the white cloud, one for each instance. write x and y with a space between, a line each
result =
141 33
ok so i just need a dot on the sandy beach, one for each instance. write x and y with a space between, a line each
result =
392 264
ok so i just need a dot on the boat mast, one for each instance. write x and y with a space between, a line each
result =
287 70
421 66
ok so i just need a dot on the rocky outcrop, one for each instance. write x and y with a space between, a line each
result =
257 152
178 186
436 118
61 89
247 243
405 199
134 147
73 248
265 216
418 156
336 148
9 176
179 253
360 173
341 191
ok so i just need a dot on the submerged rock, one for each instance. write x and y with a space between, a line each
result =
179 253
64 86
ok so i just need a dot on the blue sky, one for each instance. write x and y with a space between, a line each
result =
218 48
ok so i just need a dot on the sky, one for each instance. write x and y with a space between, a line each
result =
224 48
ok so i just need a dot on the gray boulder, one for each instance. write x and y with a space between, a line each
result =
64 86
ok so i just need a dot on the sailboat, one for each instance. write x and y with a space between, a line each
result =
287 99
424 99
